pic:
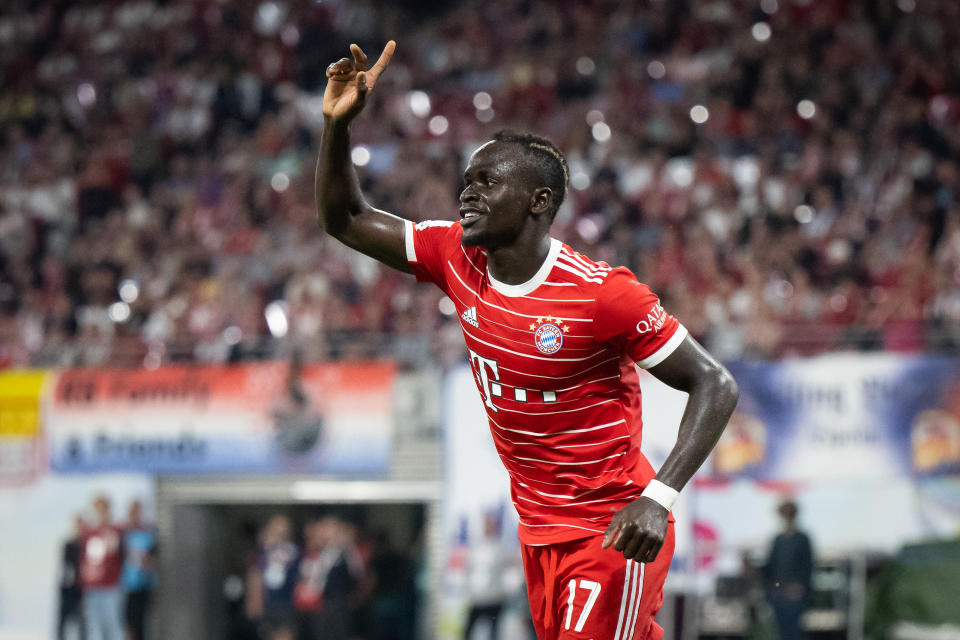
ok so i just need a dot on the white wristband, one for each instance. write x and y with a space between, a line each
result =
661 494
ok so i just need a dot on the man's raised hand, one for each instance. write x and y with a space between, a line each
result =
349 81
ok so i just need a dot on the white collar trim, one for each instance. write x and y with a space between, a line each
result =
522 289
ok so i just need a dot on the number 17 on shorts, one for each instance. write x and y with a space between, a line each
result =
579 591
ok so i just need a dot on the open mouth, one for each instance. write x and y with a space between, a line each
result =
468 217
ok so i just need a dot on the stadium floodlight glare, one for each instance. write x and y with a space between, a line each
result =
86 94
589 229
769 7
746 172
360 155
806 109
119 312
804 214
656 69
276 316
419 103
290 35
128 290
280 182
601 131
485 115
580 180
585 66
482 100
782 289
680 171
269 17
446 306
438 125
761 31
594 116
838 302
232 335
699 114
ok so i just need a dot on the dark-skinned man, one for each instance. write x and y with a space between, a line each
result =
553 338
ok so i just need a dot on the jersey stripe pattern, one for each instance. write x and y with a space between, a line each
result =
553 359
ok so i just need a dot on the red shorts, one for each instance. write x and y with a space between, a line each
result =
578 590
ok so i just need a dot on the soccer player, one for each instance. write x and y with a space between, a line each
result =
552 337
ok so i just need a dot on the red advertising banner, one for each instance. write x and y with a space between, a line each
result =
262 417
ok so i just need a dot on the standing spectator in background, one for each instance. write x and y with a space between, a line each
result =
272 578
139 569
393 602
788 574
328 579
101 564
71 596
486 567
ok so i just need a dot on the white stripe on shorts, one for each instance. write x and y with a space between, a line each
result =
623 600
638 572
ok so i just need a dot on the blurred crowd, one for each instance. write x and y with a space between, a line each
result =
107 575
783 172
332 582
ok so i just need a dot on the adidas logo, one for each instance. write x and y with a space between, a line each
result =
470 315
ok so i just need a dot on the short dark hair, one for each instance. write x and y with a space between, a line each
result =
547 159
788 509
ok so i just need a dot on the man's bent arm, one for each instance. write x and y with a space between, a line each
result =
342 210
713 395
639 530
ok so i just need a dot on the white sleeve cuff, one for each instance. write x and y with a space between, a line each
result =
408 241
669 347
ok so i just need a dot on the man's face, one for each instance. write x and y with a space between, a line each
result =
495 200
102 507
135 513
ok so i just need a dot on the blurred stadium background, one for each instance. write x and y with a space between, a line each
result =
175 330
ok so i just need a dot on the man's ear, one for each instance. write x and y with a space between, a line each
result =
541 201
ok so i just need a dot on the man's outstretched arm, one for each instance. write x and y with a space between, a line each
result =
342 210
639 529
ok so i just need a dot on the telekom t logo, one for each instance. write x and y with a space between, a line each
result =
490 387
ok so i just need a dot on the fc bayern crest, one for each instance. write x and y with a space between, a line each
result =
548 334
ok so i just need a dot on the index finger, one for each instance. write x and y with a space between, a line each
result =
610 535
381 62
359 58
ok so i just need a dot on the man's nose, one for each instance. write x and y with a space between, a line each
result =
466 195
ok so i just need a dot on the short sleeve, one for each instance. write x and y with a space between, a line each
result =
428 244
629 315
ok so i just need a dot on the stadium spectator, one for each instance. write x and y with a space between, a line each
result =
101 565
271 580
139 571
71 595
329 577
788 574
487 586
792 165
393 605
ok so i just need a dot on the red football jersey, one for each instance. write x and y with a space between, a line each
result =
553 359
